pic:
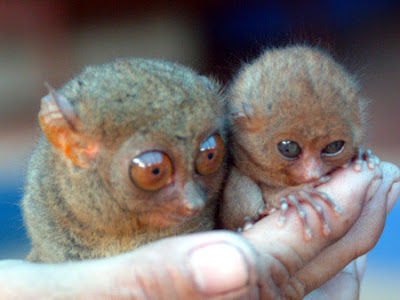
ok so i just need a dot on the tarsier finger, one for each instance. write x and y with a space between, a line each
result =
248 223
327 199
369 157
322 180
294 200
318 208
283 209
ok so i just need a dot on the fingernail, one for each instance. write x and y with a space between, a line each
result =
393 195
218 268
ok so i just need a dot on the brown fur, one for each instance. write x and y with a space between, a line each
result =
296 93
75 212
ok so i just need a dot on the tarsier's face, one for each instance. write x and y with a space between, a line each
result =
297 149
167 180
307 164
308 152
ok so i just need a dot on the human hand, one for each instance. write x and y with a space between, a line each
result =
264 262
344 285
365 200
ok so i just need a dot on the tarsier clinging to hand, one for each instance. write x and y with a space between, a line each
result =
296 116
132 151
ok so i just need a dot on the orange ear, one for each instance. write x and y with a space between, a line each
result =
59 122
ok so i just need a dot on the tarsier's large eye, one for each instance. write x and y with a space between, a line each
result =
211 155
333 148
289 149
151 170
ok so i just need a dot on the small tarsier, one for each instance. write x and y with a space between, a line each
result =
132 151
296 116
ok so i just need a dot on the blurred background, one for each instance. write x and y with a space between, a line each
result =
52 41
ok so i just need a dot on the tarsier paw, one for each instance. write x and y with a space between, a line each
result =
248 223
310 197
367 156
292 199
371 159
358 165
265 211
322 180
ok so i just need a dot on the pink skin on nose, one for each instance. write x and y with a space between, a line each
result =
310 169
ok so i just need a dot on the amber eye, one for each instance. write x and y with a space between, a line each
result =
289 149
333 148
151 170
211 155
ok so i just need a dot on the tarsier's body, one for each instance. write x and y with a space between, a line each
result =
132 152
296 116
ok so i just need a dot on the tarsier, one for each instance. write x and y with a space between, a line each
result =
132 151
296 116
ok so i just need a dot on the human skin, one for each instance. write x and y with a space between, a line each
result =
265 262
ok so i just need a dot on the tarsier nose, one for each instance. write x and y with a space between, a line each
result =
188 209
311 176
311 170
193 200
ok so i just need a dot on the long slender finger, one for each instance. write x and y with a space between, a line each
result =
302 214
371 159
265 210
318 208
248 223
322 180
328 200
358 163
284 208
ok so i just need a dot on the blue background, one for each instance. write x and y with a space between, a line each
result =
53 40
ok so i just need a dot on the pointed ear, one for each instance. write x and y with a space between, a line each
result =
245 118
59 122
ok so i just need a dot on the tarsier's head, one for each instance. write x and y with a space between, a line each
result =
297 115
145 137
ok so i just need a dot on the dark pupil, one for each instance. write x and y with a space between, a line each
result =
210 156
334 147
156 171
289 149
